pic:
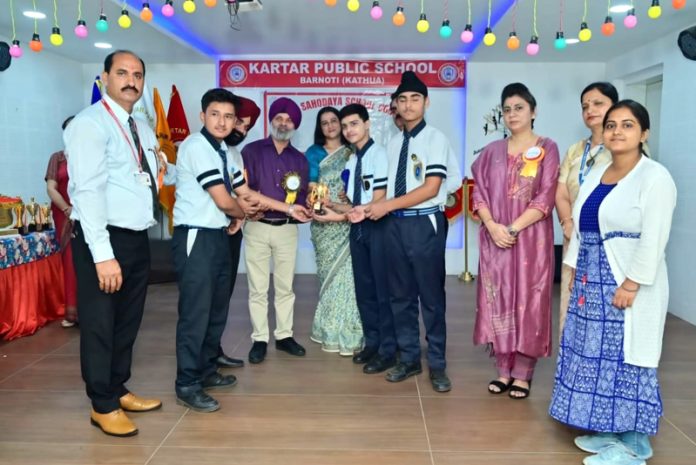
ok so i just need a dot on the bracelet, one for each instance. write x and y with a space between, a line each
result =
629 290
566 219
291 208
486 221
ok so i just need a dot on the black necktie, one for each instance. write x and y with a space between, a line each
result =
400 181
225 173
356 229
144 162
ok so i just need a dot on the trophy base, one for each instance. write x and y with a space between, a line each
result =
9 232
466 277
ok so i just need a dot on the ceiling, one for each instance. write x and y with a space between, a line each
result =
309 27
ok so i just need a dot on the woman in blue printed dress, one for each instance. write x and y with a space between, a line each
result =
336 324
606 375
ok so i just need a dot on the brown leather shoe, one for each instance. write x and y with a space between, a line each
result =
132 403
114 423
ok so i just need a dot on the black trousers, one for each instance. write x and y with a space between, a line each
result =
109 323
416 257
235 252
370 270
204 285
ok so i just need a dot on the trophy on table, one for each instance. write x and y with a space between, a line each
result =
317 197
43 217
32 210
20 224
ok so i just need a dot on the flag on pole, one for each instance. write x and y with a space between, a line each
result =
176 117
164 138
144 109
96 90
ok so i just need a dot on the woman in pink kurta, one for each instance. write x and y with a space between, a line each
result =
514 192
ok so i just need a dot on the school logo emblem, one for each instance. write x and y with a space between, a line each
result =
237 74
448 74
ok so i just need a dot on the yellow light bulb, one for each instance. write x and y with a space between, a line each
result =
353 5
124 21
585 35
654 12
56 40
489 39
189 6
422 25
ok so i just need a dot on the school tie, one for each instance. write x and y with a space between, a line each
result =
400 182
356 229
225 173
144 162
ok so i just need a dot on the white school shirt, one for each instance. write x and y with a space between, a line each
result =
374 169
454 174
199 167
642 202
102 167
429 149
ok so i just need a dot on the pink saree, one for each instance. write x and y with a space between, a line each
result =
513 303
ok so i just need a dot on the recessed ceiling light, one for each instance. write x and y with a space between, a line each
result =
34 14
620 8
102 45
572 41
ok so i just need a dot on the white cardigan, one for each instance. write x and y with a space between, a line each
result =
642 202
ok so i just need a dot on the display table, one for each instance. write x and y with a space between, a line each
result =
31 283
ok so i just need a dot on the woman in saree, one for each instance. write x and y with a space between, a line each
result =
515 186
336 323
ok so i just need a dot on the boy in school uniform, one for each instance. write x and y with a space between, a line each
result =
200 247
367 182
416 234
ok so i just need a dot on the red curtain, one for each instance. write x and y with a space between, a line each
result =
31 295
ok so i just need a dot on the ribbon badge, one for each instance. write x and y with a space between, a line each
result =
531 159
291 183
417 167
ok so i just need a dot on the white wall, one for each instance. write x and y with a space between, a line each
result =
677 149
556 88
37 93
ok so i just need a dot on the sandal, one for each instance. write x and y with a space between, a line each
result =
500 385
519 389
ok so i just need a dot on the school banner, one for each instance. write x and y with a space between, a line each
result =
338 73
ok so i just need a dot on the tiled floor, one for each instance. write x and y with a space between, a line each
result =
320 409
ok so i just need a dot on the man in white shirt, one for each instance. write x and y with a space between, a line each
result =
416 234
115 170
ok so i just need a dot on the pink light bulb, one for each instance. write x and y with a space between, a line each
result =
630 20
467 35
376 12
81 29
15 49
168 10
532 49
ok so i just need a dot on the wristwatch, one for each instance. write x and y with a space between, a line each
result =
291 209
512 231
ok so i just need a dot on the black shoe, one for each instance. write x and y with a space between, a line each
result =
364 355
403 370
223 361
378 365
440 381
217 381
290 346
258 352
198 401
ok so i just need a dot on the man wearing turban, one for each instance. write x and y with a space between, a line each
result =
276 169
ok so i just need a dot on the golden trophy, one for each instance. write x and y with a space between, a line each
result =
43 217
317 197
32 210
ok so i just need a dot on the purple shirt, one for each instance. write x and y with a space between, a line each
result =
265 170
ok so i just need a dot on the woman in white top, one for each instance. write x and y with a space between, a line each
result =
582 157
606 376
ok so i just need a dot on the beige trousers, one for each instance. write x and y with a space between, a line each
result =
263 243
